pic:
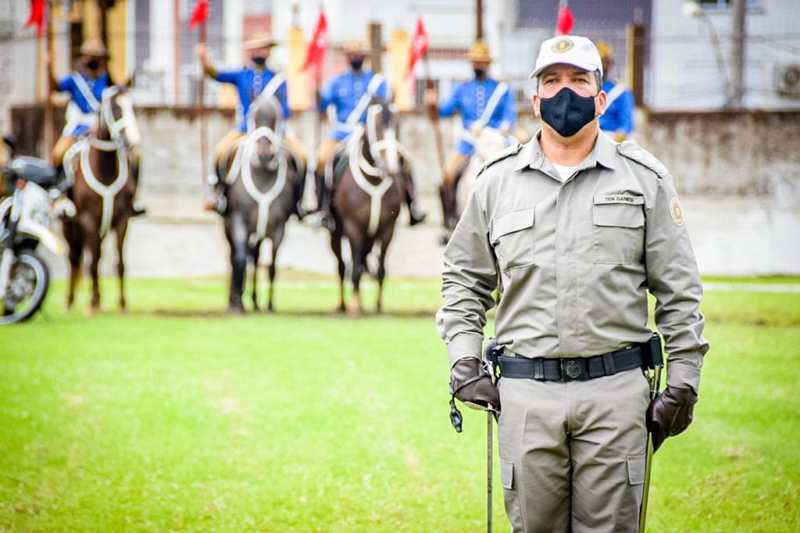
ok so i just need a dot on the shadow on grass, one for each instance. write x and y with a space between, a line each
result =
222 313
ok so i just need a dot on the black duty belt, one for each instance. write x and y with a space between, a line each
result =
571 369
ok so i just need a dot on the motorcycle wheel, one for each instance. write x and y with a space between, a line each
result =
27 288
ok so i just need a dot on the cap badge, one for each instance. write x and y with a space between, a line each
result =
562 45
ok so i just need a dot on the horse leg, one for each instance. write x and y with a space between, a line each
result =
276 239
255 253
93 243
73 238
237 239
336 246
121 230
359 252
381 274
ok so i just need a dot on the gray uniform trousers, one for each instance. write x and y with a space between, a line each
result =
572 454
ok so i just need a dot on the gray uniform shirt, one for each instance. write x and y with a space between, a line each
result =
574 260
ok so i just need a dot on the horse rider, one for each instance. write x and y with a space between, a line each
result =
255 80
347 96
85 85
618 119
482 102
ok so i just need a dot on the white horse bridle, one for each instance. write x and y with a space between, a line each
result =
263 199
117 143
360 167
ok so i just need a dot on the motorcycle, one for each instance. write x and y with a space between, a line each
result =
27 218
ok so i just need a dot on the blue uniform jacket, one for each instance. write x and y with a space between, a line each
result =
618 115
249 84
470 99
83 108
344 92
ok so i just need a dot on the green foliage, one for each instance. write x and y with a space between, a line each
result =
178 416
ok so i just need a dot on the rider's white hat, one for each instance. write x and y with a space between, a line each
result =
570 50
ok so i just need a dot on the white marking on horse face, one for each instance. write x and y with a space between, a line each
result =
131 129
392 155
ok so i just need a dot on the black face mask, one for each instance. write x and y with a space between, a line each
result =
259 60
92 64
357 64
567 112
479 73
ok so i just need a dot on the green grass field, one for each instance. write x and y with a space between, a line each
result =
179 417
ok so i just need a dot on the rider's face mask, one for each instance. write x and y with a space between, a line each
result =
567 112
92 64
259 60
356 63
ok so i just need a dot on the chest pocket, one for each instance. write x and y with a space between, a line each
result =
512 238
618 229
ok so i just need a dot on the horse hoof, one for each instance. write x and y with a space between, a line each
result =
236 309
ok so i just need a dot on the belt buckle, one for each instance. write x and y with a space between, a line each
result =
574 369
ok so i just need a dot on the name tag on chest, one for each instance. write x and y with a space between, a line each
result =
619 199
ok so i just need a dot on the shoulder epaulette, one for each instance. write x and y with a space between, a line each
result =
499 156
634 152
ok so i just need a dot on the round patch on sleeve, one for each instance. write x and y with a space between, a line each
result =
676 212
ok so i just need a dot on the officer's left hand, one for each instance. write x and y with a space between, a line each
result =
670 413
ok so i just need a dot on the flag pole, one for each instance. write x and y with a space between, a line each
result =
433 113
49 129
203 116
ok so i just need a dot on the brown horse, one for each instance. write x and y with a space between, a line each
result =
261 177
367 198
103 188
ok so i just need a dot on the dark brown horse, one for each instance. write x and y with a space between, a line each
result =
103 189
367 199
260 175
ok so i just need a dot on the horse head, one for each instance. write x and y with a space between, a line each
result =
381 136
117 119
265 121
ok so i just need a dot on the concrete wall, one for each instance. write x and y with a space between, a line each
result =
738 176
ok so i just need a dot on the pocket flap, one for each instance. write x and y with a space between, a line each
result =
507 474
618 214
511 222
636 469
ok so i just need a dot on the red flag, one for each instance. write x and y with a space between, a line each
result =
37 16
419 45
565 20
318 46
199 13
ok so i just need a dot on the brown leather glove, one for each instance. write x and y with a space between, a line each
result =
471 383
670 413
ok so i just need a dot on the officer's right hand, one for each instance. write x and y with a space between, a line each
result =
670 413
471 383
200 50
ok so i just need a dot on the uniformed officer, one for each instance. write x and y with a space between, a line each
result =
347 96
482 102
252 81
574 230
85 86
618 119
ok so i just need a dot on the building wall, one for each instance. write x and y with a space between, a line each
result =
685 70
